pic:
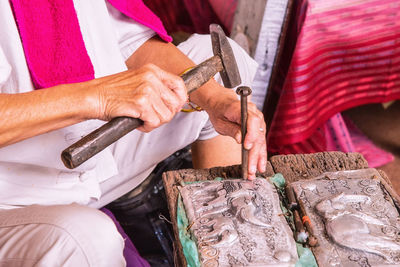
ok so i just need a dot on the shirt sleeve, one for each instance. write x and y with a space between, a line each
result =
207 132
5 70
131 34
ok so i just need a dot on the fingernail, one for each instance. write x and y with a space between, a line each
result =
263 168
248 146
251 177
238 138
263 165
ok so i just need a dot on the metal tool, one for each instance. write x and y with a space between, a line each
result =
223 62
298 210
290 198
301 235
244 91
312 240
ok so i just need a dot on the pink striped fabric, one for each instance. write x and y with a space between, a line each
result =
347 54
338 134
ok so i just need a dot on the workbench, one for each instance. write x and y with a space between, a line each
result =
292 167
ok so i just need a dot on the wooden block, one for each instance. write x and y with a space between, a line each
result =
303 166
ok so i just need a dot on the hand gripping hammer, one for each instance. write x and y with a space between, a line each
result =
223 61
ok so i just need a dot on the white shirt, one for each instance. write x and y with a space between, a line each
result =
31 171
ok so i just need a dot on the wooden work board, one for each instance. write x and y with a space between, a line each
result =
293 168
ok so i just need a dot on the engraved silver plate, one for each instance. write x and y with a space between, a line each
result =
353 217
238 223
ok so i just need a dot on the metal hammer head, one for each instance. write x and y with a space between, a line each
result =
221 47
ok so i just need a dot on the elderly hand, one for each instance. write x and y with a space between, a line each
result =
148 93
223 108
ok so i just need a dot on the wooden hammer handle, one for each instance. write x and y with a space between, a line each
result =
116 128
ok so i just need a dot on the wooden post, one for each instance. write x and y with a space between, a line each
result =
247 23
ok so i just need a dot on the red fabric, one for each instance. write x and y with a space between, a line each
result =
172 13
225 11
194 16
138 11
374 155
338 134
347 54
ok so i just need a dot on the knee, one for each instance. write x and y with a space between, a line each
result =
94 235
199 48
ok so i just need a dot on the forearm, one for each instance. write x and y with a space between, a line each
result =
147 93
28 114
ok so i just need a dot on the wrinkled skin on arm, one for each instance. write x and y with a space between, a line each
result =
148 93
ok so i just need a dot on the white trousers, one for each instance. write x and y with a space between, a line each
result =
79 236
67 235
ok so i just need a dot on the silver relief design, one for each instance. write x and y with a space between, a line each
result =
331 187
358 225
304 198
238 223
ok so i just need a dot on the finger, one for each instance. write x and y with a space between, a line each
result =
164 112
257 159
253 160
159 90
262 158
255 130
255 141
178 87
238 136
169 98
253 108
155 113
233 121
158 116
230 129
150 121
233 114
173 82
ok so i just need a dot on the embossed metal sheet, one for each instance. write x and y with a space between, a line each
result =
353 217
238 223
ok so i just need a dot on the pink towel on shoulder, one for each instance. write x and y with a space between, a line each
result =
56 54
54 48
53 44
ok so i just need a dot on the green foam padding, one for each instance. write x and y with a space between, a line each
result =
188 244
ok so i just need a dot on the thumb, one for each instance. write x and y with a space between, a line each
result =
238 136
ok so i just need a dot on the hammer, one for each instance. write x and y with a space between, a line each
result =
223 62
